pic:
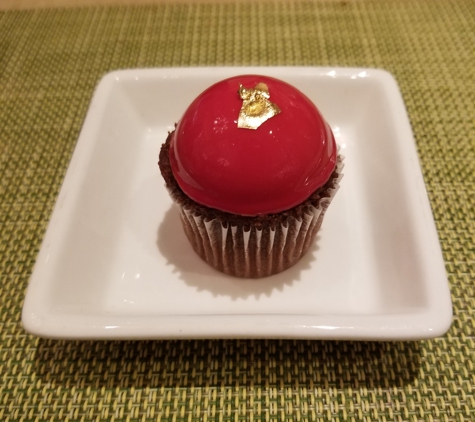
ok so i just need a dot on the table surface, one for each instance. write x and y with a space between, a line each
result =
50 62
42 4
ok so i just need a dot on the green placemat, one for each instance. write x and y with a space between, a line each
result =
51 60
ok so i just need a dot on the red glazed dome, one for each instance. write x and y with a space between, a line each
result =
245 171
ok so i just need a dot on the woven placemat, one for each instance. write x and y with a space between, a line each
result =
50 62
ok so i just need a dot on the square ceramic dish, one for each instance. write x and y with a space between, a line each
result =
115 263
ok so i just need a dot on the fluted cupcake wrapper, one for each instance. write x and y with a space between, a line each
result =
250 251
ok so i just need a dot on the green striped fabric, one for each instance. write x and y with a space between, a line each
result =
50 62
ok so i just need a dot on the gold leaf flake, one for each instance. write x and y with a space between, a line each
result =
256 107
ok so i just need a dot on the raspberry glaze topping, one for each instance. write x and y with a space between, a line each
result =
251 172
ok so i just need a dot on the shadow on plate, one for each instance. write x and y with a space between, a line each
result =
175 247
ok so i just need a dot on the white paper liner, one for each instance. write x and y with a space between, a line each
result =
252 252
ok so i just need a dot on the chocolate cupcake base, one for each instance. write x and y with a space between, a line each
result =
250 247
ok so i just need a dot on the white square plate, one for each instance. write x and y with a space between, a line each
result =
115 263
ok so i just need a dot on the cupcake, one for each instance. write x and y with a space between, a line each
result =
252 167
